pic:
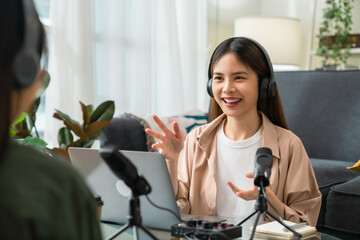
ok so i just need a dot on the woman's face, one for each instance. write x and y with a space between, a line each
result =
235 86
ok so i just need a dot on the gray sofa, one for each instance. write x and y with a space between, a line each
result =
323 109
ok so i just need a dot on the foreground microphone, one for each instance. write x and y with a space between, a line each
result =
263 163
125 170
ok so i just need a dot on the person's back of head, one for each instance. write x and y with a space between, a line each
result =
21 45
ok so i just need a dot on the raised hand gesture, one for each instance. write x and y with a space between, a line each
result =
171 142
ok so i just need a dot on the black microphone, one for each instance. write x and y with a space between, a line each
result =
125 170
263 163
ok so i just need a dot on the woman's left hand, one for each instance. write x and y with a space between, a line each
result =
245 194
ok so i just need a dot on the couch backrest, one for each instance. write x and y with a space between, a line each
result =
323 109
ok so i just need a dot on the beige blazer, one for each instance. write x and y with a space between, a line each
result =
292 178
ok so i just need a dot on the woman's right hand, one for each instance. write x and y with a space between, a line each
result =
171 143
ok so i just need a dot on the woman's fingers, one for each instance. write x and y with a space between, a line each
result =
250 175
178 132
233 187
154 134
161 125
157 146
247 194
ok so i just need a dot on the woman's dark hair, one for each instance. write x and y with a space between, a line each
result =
11 41
251 56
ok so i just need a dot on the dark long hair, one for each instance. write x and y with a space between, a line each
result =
11 41
251 56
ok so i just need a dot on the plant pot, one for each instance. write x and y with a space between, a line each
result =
354 41
329 68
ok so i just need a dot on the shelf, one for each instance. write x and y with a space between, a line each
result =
353 51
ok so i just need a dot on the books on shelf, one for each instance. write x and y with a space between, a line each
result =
274 230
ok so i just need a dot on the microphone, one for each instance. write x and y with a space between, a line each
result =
263 163
125 170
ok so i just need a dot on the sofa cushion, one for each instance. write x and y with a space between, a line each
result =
329 173
342 207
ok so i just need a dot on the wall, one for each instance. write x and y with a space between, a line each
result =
308 11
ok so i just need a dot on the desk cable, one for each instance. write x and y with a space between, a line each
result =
162 208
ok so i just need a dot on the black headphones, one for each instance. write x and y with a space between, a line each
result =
27 61
267 84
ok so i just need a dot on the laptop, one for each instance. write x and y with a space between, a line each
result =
115 193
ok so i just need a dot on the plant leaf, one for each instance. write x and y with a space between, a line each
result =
74 144
75 128
61 152
12 132
91 108
34 142
20 119
88 143
86 114
29 123
44 84
96 127
22 134
104 112
64 137
33 109
62 116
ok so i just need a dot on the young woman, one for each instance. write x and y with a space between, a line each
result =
41 197
212 171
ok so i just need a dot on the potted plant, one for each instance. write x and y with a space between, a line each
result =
87 132
334 34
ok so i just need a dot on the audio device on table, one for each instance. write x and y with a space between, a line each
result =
205 230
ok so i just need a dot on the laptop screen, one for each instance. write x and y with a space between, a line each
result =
115 193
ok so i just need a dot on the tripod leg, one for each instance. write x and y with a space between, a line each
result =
135 233
148 232
298 235
255 224
114 235
244 220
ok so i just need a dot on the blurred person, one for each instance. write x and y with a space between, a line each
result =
42 197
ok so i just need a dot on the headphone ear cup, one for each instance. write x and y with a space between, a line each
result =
25 69
272 89
267 88
263 88
209 88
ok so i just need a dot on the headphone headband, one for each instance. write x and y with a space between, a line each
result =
267 84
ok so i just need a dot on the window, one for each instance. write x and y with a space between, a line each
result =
43 8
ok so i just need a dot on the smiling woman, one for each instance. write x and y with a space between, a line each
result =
212 173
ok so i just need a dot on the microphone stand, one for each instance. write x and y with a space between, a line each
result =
261 207
134 219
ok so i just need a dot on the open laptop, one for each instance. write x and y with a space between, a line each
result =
114 192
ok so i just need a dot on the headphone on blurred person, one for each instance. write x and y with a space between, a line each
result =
27 61
267 84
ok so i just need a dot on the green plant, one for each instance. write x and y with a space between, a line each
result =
87 132
334 47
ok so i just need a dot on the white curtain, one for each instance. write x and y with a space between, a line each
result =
71 63
151 55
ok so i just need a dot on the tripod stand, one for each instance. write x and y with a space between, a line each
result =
125 170
261 207
134 220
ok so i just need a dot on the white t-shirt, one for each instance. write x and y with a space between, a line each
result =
234 160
